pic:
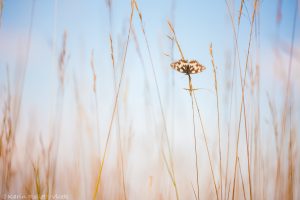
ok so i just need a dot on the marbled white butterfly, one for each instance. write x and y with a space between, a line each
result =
188 67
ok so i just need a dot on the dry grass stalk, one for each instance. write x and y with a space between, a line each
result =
288 81
279 12
96 100
241 11
175 38
218 110
98 181
238 134
7 140
288 111
243 93
19 88
195 141
242 178
1 10
290 193
240 71
109 5
160 103
112 52
206 144
191 90
242 105
285 134
37 181
62 60
94 71
118 118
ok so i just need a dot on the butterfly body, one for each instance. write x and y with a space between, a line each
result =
188 67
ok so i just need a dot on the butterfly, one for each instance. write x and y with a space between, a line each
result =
188 67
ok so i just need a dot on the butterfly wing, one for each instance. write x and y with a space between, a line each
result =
195 67
192 67
180 65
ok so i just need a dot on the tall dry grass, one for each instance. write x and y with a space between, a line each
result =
252 152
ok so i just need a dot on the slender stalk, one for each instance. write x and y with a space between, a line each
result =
206 145
242 178
37 181
96 99
194 191
218 110
175 38
240 70
59 106
242 105
109 5
243 93
118 119
159 98
173 180
288 84
98 181
195 139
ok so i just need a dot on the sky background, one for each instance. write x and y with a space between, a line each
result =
197 24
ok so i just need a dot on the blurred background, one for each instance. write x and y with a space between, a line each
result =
91 109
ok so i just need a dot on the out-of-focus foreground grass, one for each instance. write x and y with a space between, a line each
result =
113 122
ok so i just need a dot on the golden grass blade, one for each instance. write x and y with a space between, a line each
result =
195 139
218 110
206 145
175 38
240 12
243 186
118 118
98 181
159 98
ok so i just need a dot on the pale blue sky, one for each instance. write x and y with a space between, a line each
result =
197 24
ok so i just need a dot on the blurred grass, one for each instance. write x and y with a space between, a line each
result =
123 166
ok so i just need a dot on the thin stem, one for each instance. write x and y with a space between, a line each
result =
195 139
114 109
242 178
206 145
218 110
177 43
288 85
118 118
159 97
